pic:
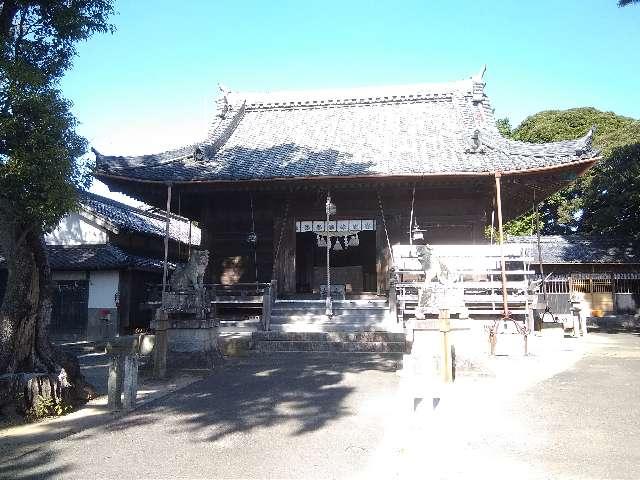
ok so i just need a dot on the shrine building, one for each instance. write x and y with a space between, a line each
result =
424 157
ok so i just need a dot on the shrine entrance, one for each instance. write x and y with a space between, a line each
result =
352 252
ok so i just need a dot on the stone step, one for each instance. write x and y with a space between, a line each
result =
368 347
325 327
336 303
314 318
336 312
240 323
387 362
373 336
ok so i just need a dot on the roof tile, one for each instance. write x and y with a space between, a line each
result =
402 130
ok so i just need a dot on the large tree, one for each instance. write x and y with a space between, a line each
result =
40 173
624 3
603 201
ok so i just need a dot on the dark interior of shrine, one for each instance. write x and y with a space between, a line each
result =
352 266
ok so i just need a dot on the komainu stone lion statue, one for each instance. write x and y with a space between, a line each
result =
190 274
440 288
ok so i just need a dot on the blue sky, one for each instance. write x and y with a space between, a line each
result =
150 86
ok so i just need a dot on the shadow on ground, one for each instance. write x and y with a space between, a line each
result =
268 390
307 392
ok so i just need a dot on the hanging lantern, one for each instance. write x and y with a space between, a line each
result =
416 233
354 240
337 246
322 242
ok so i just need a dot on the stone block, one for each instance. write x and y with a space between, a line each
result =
235 345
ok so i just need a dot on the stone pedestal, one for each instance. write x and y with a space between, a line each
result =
193 347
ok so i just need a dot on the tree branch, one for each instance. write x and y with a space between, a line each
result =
9 10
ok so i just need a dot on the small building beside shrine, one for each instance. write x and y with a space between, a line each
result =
104 259
392 159
603 272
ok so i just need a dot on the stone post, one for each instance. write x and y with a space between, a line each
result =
123 368
393 299
160 355
130 384
579 321
266 308
445 329
114 383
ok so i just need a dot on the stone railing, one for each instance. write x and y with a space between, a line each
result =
203 303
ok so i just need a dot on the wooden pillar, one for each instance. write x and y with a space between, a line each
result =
284 267
166 244
505 303
382 263
161 320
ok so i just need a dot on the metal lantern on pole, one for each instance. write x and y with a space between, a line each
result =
417 234
330 209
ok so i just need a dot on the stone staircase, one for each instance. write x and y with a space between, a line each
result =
338 342
348 316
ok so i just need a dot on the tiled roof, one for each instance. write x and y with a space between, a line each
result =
579 249
96 257
131 219
403 130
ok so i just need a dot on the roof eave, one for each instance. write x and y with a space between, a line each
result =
584 163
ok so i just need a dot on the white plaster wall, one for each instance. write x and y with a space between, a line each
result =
75 229
102 289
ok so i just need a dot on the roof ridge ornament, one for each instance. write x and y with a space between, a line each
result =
585 144
479 77
222 102
478 85
198 154
475 144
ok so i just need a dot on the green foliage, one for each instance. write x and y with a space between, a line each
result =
38 171
504 127
39 36
624 3
605 200
44 407
39 148
523 225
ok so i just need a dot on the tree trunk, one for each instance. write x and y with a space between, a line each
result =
25 348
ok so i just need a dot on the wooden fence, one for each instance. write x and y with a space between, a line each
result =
604 293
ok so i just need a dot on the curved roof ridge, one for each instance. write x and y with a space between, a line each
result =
342 96
579 147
